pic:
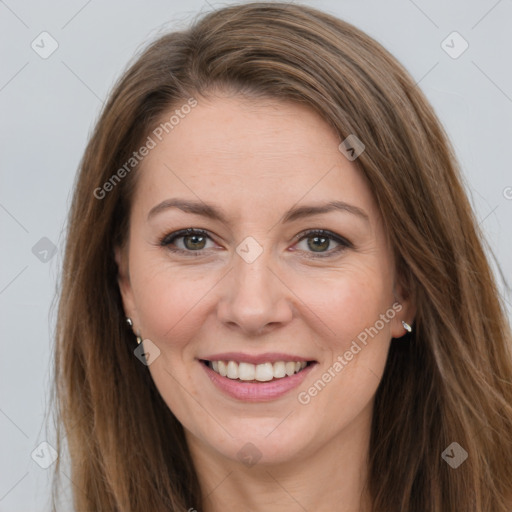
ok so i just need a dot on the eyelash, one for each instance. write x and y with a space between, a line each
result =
344 243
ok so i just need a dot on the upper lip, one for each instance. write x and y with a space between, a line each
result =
268 357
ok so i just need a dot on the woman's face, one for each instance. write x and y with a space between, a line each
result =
253 287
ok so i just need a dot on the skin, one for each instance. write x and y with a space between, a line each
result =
254 160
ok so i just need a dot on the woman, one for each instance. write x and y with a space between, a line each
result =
275 295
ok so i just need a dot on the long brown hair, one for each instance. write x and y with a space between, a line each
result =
450 380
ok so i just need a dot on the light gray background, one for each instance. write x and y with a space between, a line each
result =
49 106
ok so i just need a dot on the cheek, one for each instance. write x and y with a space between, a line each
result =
168 297
346 301
355 351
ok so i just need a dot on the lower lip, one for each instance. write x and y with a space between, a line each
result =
257 392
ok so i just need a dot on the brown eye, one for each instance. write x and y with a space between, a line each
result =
319 241
194 242
186 240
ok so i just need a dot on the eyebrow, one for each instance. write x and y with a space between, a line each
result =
212 212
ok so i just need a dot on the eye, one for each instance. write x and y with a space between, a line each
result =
191 240
319 240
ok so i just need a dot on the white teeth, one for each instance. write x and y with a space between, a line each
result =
246 371
279 370
264 372
222 368
232 370
261 372
289 368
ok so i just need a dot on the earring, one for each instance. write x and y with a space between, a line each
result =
407 327
130 323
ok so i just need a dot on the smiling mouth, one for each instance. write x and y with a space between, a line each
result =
251 373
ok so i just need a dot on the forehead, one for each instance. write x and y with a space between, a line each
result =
254 153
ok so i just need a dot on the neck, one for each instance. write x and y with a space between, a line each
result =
331 477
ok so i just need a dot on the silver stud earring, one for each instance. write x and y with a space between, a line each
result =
130 323
407 327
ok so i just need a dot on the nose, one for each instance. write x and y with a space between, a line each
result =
254 298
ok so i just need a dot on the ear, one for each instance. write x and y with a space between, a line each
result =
404 295
125 287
